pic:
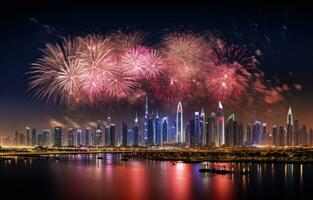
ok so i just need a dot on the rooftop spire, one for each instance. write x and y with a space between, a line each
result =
220 104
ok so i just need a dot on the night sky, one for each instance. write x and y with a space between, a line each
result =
282 32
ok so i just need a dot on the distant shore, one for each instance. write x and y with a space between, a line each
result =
187 155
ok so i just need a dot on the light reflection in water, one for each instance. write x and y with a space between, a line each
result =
86 177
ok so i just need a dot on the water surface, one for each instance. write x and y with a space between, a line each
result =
86 177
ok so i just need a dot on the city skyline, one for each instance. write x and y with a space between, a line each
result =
198 131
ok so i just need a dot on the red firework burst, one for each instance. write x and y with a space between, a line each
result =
226 82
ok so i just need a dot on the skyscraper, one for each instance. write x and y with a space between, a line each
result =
98 134
136 132
87 137
79 137
290 128
264 134
282 134
203 135
58 136
106 140
290 116
275 133
124 134
211 129
157 130
34 137
70 137
220 124
27 136
98 138
230 130
198 138
112 135
164 130
46 137
151 136
180 138
248 135
193 138
145 122
257 133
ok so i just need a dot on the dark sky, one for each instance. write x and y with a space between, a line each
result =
282 31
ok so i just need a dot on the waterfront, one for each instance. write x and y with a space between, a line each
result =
83 176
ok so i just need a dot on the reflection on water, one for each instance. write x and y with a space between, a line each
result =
87 177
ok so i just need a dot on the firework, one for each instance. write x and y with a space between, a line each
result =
226 82
167 89
185 51
98 69
136 61
57 75
156 64
121 85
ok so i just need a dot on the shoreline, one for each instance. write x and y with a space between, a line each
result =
297 155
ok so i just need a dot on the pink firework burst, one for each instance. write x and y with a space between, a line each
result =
156 64
135 61
120 85
226 82
92 86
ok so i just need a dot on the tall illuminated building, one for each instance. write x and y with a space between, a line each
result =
88 137
248 135
157 129
136 132
106 140
275 133
203 135
290 116
112 135
34 137
198 138
78 137
193 138
27 136
124 134
98 138
164 130
70 137
263 134
257 133
145 122
220 126
58 136
290 128
180 138
187 134
46 137
151 136
211 129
